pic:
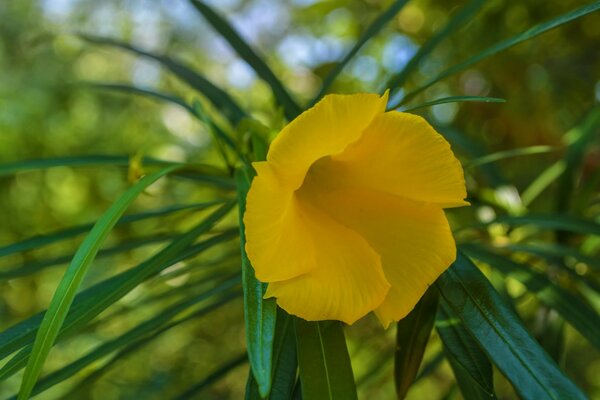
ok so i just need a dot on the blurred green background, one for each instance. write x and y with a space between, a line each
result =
550 84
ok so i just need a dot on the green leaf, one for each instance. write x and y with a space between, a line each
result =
578 140
97 298
57 236
505 44
551 221
260 314
251 392
119 87
285 361
501 335
371 31
454 99
65 292
556 250
325 369
471 367
502 155
412 335
249 55
213 377
138 332
74 393
218 97
473 148
196 172
35 266
454 23
543 180
572 308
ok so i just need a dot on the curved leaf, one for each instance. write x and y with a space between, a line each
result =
572 308
412 335
453 99
371 31
260 314
472 369
501 335
218 97
505 44
69 284
325 370
249 55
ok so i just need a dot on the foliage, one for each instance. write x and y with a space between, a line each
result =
158 302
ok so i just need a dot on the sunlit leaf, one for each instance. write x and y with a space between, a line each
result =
501 335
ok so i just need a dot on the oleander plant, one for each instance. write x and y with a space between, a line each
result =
309 199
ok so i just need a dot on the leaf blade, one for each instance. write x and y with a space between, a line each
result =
507 43
412 336
325 369
243 49
65 292
260 314
501 335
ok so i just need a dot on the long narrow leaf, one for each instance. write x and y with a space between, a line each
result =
325 370
580 138
552 221
68 286
93 301
501 335
456 22
197 172
249 55
32 267
472 369
371 31
260 314
119 87
218 97
133 347
50 238
412 336
454 99
285 360
505 44
133 335
502 155
97 298
571 308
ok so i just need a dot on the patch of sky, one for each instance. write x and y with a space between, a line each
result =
397 52
240 75
365 68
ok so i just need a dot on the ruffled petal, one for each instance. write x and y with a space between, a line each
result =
413 240
325 129
348 282
401 154
276 236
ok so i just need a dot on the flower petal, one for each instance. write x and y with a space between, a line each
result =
402 154
348 282
325 129
276 236
413 239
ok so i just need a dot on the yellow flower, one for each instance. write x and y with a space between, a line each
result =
346 215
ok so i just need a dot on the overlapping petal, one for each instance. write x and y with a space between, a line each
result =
327 128
413 240
348 282
346 215
402 154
